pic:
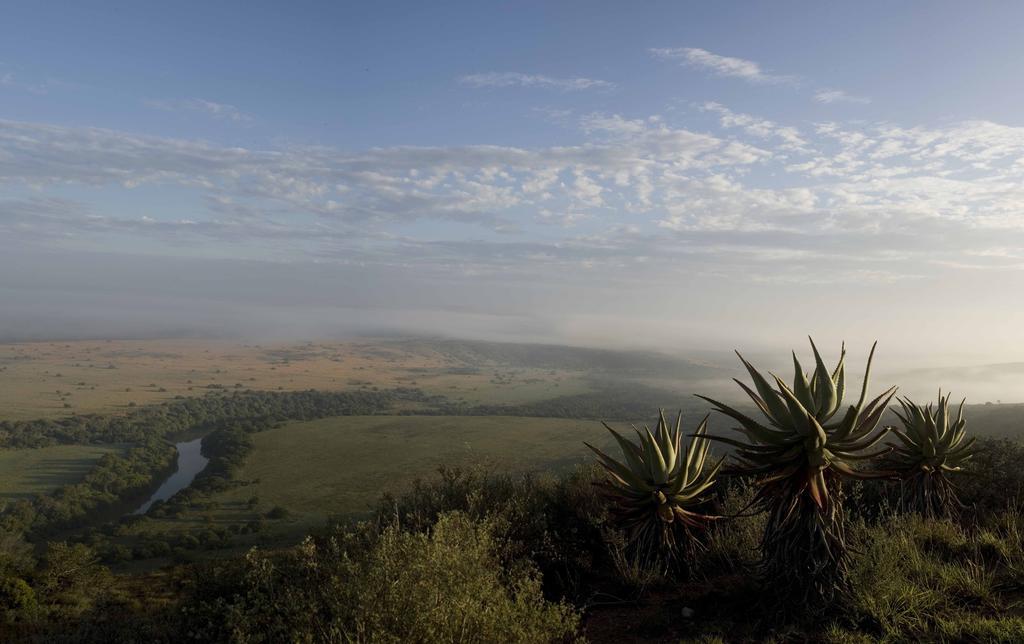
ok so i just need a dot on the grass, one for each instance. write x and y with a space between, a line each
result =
341 466
57 379
25 473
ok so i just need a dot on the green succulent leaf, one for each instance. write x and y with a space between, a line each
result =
658 482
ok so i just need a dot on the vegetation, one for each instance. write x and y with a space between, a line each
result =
57 380
120 478
798 460
658 489
27 473
415 446
535 558
115 478
610 401
442 585
488 550
929 449
198 414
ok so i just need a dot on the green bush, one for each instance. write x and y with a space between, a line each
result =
992 479
558 523
16 597
446 584
733 545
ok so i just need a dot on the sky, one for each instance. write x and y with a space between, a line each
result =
671 175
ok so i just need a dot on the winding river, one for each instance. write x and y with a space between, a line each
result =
190 463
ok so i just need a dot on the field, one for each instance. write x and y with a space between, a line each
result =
524 408
299 475
55 379
27 472
341 466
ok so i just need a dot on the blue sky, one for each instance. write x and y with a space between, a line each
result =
542 170
370 74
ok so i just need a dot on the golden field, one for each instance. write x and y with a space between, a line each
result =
54 379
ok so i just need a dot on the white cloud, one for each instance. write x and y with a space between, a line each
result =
835 198
828 96
211 108
563 219
518 79
718 65
613 124
789 137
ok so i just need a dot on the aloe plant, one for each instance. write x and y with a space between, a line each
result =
928 450
657 489
798 453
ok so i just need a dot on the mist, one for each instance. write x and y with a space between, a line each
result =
53 294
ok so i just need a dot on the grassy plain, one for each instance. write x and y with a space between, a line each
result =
27 472
55 379
341 466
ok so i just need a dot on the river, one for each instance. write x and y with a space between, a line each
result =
190 463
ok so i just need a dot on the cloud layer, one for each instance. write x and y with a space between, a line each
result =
757 191
518 79
829 96
216 110
720 65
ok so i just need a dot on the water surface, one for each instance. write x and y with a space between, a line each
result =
190 463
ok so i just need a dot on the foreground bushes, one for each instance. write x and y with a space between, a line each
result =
911 579
476 556
557 524
447 584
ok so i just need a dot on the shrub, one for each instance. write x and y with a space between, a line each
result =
931 447
278 512
16 597
993 478
798 451
733 545
659 491
558 523
446 584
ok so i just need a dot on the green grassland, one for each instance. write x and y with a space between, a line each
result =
27 472
341 466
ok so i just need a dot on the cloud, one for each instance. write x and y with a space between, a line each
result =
718 65
517 79
829 96
217 110
788 136
559 116
838 201
471 184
